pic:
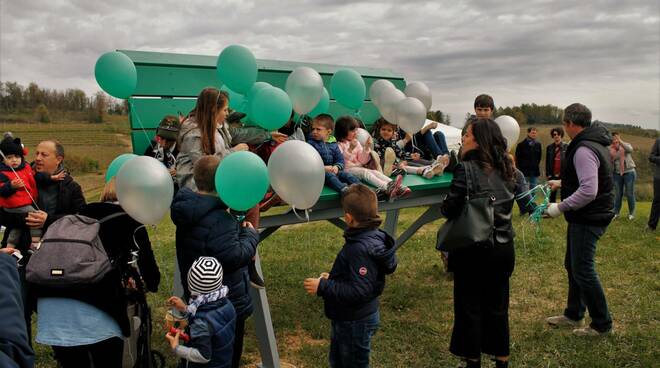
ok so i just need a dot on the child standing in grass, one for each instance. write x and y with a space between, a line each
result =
356 157
350 291
211 318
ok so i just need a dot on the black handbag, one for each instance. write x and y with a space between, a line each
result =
474 225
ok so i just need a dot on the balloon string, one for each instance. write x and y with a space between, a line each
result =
18 177
306 219
137 117
536 216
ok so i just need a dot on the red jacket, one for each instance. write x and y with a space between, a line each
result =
13 198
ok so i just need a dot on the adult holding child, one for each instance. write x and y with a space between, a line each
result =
482 270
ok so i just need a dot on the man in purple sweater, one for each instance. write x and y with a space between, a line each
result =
588 205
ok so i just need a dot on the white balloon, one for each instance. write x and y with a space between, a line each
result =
305 87
145 189
410 115
363 136
296 173
387 104
510 130
377 88
421 92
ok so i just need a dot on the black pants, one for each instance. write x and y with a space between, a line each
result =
655 206
481 300
238 341
104 354
553 194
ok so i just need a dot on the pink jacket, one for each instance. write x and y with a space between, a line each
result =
358 157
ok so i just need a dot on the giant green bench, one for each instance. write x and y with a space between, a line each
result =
169 83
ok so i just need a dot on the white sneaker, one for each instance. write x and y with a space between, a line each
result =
390 158
588 331
562 320
631 217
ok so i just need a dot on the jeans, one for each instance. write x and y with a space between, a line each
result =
436 143
532 180
655 206
350 342
340 181
584 288
553 194
625 184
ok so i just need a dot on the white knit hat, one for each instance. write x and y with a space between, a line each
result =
205 276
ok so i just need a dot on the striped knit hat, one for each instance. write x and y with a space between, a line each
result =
205 276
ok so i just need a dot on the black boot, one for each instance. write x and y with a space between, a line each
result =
255 278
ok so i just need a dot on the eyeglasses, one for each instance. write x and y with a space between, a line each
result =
555 135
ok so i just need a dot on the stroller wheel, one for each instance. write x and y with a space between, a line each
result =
157 359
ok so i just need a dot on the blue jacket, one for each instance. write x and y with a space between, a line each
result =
357 277
212 333
205 228
330 153
15 350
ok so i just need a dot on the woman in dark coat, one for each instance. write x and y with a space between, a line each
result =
482 271
63 313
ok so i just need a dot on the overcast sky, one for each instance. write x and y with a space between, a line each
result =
605 54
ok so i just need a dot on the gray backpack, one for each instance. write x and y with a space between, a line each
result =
71 253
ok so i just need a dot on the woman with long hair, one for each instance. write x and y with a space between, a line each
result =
204 132
482 270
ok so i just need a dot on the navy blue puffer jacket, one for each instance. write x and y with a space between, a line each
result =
357 277
205 228
212 333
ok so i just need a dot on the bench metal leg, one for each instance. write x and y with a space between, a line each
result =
431 214
391 220
266 232
263 324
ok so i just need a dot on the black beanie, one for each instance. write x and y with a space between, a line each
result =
11 146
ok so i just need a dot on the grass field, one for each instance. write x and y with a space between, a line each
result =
416 306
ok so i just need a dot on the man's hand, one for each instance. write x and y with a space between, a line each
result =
553 210
17 183
36 219
173 340
241 147
554 184
9 250
311 285
278 137
58 177
248 224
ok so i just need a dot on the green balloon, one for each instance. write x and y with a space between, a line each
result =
116 164
116 74
249 98
237 68
236 100
323 106
241 180
271 108
347 87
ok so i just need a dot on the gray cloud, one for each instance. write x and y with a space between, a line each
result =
604 53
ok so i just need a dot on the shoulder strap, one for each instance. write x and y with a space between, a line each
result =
468 179
110 217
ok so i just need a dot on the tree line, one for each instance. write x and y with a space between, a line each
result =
17 99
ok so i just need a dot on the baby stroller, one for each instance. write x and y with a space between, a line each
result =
137 348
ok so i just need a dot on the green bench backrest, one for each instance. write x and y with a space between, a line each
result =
169 83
